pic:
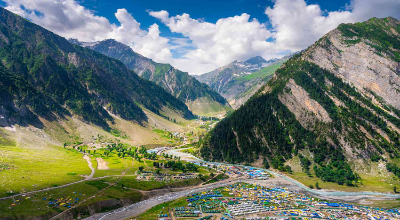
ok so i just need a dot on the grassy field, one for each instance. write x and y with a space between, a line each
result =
127 187
261 73
39 167
55 201
67 165
38 204
217 178
154 212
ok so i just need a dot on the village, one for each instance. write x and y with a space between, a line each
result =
237 170
164 177
247 201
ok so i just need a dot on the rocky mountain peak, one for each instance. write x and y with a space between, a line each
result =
257 60
336 102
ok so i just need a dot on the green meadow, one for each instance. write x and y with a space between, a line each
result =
33 168
28 169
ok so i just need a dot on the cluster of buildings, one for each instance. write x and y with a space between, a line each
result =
164 177
247 201
245 208
248 172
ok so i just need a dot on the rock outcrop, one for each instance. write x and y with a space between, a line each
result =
338 100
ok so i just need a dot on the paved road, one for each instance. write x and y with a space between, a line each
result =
140 207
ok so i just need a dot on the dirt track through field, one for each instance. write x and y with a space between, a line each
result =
90 177
90 166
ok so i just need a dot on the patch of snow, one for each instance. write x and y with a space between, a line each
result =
89 44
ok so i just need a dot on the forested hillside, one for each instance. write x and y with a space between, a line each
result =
43 74
319 105
180 84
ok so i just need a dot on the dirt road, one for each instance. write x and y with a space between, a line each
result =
57 187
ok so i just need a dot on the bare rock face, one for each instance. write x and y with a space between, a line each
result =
306 110
338 101
359 64
74 59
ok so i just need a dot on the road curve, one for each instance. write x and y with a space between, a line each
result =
140 207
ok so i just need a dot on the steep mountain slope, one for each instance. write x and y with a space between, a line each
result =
238 81
335 104
180 84
45 76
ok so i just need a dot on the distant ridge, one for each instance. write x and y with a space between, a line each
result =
238 81
43 75
332 111
200 98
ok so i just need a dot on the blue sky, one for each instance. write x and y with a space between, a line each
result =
200 36
207 10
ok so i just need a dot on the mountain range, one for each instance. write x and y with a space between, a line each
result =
333 107
199 97
53 85
238 81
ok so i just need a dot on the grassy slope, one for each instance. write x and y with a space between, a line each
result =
205 106
383 182
154 212
40 167
37 159
260 74
249 84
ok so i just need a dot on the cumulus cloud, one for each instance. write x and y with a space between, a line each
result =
365 9
293 25
298 25
71 20
216 44
66 18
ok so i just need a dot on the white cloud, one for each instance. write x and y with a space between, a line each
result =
298 25
66 18
205 46
71 20
233 38
295 26
365 9
162 15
